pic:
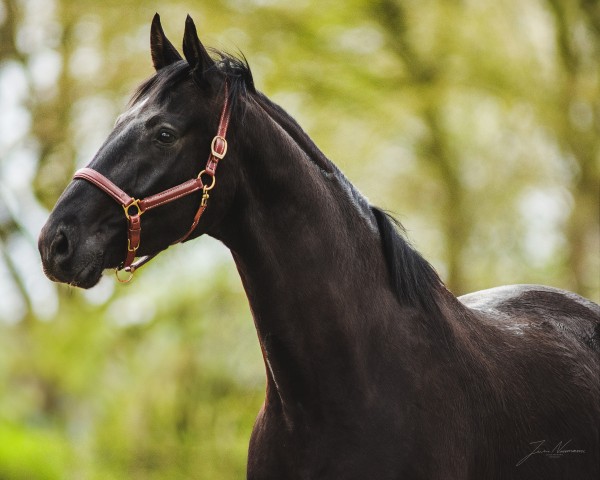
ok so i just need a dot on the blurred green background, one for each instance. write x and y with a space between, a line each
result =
476 122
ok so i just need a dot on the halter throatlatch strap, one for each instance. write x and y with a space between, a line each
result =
218 150
134 208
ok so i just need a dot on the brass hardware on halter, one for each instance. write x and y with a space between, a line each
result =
213 145
205 196
136 204
206 188
129 249
123 280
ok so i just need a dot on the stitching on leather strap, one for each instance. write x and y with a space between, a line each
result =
104 184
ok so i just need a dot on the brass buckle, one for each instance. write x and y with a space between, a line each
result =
136 204
214 143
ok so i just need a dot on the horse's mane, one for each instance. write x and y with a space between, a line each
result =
414 281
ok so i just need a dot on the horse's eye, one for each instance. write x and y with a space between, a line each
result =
165 137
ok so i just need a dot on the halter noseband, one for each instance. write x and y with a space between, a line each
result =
134 208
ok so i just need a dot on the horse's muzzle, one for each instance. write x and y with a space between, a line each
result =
61 259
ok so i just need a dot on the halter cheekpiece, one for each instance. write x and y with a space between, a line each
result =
134 208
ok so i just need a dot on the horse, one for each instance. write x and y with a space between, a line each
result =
374 369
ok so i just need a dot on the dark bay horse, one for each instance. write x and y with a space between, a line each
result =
374 369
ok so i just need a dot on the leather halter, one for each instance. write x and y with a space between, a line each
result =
134 208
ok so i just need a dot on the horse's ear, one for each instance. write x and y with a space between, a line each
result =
163 51
194 51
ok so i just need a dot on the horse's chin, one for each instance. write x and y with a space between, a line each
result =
87 276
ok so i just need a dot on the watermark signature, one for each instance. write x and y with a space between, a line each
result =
559 450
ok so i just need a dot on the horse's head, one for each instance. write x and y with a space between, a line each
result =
161 141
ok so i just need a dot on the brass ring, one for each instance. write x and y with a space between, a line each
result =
210 187
121 280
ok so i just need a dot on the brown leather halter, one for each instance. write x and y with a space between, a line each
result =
134 208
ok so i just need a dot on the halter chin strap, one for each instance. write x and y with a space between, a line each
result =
134 208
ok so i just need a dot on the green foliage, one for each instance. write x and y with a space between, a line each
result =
478 122
97 393
32 453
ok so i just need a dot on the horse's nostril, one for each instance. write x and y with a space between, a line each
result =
60 248
61 244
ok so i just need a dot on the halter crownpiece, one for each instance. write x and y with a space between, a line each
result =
134 208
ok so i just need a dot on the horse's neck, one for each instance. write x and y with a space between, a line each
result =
310 258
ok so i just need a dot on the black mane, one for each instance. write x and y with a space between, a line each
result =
414 280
